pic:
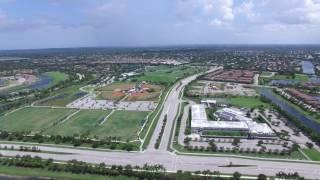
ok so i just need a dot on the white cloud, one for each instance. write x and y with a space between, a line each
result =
282 12
247 9
216 22
210 11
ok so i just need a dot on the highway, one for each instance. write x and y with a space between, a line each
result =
170 160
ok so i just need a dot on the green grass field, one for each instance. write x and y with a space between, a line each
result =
296 77
56 77
63 96
81 123
313 154
124 124
32 119
166 75
265 73
246 101
45 174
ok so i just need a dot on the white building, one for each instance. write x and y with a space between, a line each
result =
229 119
209 102
198 113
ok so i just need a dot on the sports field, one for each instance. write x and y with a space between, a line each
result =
32 119
124 124
79 124
151 95
114 91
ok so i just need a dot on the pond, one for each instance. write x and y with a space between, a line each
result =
283 82
307 67
2 82
268 93
43 82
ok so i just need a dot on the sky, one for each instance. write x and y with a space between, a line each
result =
29 24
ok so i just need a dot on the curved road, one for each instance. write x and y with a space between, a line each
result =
169 160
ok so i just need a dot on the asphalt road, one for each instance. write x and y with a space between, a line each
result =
171 161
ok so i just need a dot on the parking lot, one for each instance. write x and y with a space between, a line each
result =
89 102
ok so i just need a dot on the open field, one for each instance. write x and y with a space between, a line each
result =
63 96
124 124
313 154
33 119
296 77
166 75
56 77
246 101
266 73
117 85
79 124
242 101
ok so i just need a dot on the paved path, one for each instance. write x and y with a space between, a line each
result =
174 162
170 109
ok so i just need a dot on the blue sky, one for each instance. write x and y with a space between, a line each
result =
75 23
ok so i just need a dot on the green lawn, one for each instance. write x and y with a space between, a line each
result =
80 123
246 101
124 124
166 75
296 77
56 77
294 155
32 119
225 133
33 172
313 154
301 78
266 73
63 96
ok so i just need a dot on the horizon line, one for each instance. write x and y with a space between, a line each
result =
168 45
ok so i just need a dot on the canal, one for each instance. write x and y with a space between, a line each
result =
268 93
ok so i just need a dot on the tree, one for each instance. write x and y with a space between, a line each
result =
309 145
236 175
262 177
236 141
213 146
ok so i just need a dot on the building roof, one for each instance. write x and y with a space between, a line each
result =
199 120
209 101
220 124
232 111
198 112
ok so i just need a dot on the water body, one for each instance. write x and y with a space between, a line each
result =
315 80
283 82
2 82
43 83
290 110
307 67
